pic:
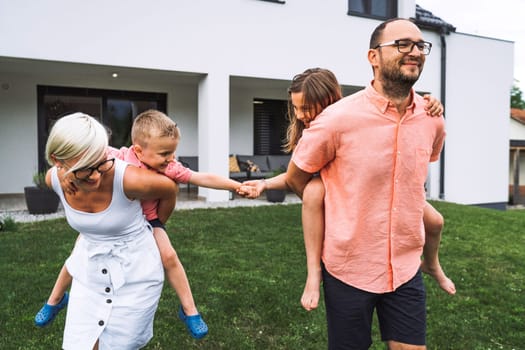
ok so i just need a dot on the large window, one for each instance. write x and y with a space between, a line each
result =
379 9
269 126
115 109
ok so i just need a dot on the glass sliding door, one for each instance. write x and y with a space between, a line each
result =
115 109
119 116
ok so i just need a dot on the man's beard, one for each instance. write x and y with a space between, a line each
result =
397 84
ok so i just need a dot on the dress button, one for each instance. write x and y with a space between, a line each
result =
100 323
107 289
104 271
108 301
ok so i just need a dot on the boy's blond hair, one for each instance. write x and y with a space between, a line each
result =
150 124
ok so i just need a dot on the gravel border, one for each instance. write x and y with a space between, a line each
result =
24 216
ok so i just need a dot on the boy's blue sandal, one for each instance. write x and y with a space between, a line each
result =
195 324
48 312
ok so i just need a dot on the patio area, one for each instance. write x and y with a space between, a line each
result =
14 206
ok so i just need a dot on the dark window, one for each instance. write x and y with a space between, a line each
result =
379 9
114 108
276 1
269 126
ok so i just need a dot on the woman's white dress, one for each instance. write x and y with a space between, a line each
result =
117 274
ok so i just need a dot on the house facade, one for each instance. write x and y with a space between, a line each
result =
213 66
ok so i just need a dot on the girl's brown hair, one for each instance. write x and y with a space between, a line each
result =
320 89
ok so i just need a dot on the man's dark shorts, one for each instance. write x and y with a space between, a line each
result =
349 311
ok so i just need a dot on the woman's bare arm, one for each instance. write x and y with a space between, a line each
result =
146 184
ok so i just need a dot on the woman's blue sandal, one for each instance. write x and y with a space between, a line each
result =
48 312
195 324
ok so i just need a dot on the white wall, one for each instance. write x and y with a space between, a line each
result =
18 134
250 39
245 38
477 116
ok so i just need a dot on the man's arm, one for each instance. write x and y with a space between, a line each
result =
297 179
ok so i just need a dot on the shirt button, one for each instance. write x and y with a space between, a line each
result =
100 323
104 271
108 301
107 289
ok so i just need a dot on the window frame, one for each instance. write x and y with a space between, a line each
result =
282 2
392 10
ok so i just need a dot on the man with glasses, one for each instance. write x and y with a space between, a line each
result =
372 150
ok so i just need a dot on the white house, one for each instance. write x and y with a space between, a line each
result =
216 66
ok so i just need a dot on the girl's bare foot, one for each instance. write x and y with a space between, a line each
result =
310 298
438 274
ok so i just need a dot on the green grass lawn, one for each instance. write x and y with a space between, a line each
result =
246 267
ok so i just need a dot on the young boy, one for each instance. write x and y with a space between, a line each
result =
155 138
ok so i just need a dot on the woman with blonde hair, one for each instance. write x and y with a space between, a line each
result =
115 264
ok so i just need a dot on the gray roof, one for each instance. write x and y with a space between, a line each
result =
426 19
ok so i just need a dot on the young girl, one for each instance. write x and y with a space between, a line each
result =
309 93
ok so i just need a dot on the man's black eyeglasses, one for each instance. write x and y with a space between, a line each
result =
406 46
102 167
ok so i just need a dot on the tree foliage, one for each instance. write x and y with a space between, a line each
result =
516 98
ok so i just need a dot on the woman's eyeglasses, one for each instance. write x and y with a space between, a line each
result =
101 168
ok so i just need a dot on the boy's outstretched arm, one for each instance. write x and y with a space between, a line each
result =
214 181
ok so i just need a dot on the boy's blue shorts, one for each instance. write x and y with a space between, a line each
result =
157 223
